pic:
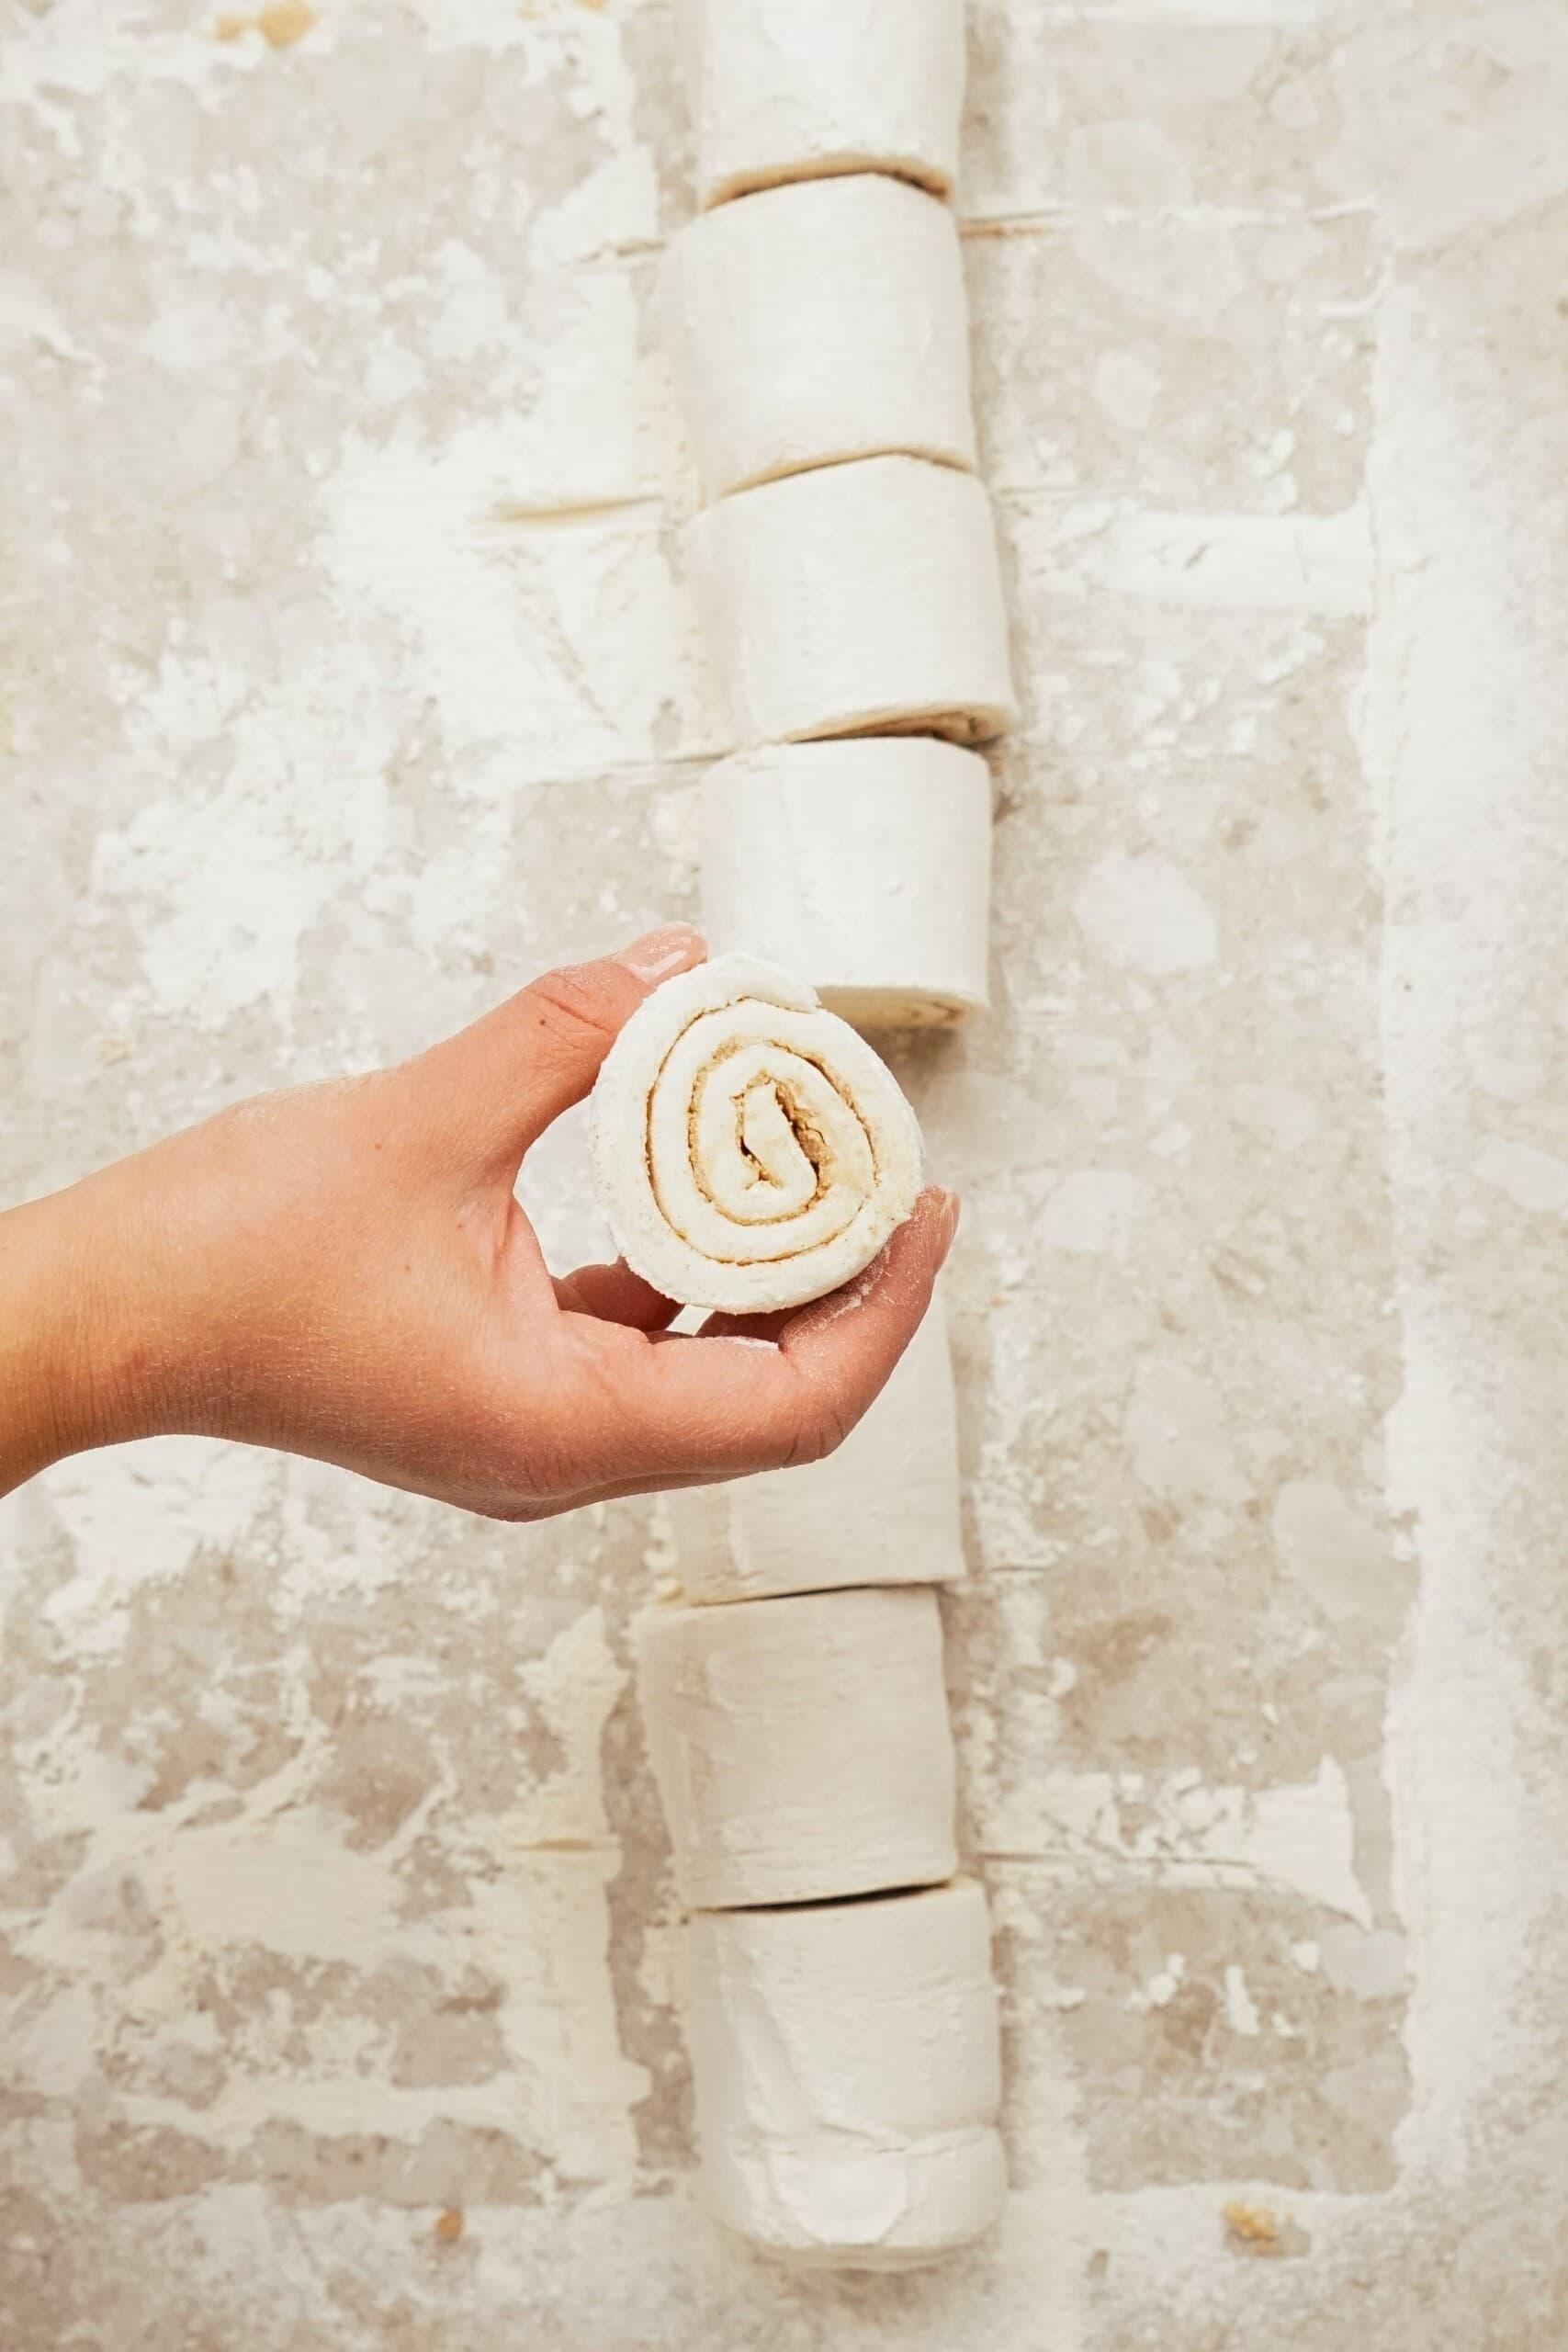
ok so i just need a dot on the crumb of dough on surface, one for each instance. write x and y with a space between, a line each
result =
285 21
1256 2232
1254 2224
281 23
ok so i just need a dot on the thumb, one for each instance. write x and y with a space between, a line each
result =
517 1068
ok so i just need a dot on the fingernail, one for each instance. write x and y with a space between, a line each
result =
658 953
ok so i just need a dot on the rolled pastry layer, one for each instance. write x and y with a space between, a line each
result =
859 599
880 1510
751 1151
819 322
863 865
847 2078
801 1746
801 89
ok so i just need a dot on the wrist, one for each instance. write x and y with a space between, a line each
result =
39 1412
73 1370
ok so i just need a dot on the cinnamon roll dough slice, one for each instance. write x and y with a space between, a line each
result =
847 2075
864 865
801 1746
862 599
798 89
819 322
751 1151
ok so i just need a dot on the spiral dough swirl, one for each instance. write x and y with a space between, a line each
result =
751 1150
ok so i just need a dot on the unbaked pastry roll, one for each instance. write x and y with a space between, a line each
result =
751 1151
801 1746
819 322
847 2078
882 1510
864 865
800 89
859 599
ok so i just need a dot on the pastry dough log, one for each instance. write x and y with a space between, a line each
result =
863 865
847 2077
880 1510
799 89
751 1151
818 323
801 1746
859 599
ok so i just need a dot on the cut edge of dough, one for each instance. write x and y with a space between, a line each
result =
909 1006
915 171
955 461
860 1883
733 1592
974 723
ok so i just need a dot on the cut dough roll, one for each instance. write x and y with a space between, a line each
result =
861 599
863 865
846 2068
801 1746
819 322
883 1510
804 89
751 1151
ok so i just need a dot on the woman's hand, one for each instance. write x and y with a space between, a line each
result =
343 1271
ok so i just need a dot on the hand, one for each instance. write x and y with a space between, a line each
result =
342 1271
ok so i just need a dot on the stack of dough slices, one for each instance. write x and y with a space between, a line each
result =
845 565
841 2009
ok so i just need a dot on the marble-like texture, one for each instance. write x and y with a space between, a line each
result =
348 677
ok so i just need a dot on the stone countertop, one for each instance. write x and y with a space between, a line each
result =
346 680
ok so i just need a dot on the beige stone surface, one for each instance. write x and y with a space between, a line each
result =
346 677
